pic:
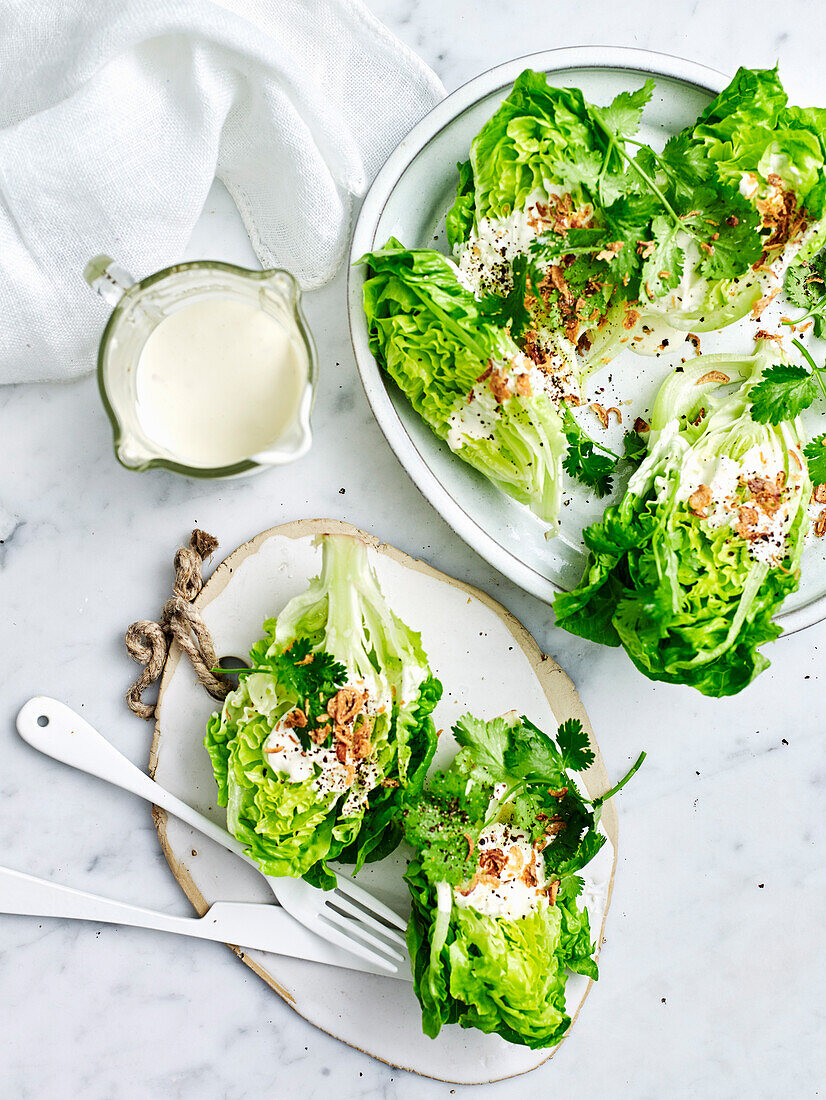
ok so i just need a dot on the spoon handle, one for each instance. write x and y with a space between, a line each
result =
56 730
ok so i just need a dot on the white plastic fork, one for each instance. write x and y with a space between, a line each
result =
348 916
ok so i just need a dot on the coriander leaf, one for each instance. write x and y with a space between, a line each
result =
627 224
584 462
486 742
662 268
533 755
805 287
473 788
623 114
686 163
587 848
574 745
510 311
528 805
635 447
563 853
310 676
800 286
815 453
570 886
785 390
727 228
446 835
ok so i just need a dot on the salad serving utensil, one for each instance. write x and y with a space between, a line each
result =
349 918
254 925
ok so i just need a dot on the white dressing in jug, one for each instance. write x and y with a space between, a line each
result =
219 380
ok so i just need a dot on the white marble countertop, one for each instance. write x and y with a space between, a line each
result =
713 970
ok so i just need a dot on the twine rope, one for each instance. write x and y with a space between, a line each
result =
149 642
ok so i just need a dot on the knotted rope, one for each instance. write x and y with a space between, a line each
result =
149 642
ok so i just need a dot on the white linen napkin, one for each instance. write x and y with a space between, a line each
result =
115 117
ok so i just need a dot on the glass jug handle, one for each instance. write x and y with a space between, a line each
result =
108 279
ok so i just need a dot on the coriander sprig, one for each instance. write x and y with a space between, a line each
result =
805 287
815 454
786 389
585 460
310 676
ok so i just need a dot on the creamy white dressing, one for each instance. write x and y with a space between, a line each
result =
219 380
285 755
474 420
485 258
512 897
475 417
722 474
493 245
749 185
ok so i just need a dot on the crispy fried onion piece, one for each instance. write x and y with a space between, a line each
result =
699 501
295 718
499 387
522 385
492 861
346 704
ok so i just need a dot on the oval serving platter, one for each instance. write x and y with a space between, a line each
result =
408 200
488 663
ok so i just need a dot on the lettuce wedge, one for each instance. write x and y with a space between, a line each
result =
688 570
499 839
495 408
330 728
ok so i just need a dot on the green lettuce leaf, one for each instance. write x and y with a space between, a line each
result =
490 972
687 599
340 628
746 140
428 333
459 219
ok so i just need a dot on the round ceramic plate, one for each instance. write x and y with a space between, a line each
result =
408 200
489 666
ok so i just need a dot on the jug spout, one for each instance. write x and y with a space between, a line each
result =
108 279
131 455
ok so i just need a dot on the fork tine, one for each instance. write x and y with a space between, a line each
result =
354 929
368 902
354 911
331 932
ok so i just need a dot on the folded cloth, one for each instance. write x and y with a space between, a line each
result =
115 117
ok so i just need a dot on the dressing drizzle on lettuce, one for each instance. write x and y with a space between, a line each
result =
500 837
688 570
615 231
466 377
497 408
329 729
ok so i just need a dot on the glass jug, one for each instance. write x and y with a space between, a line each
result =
139 307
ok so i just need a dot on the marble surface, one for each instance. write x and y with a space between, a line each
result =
713 969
